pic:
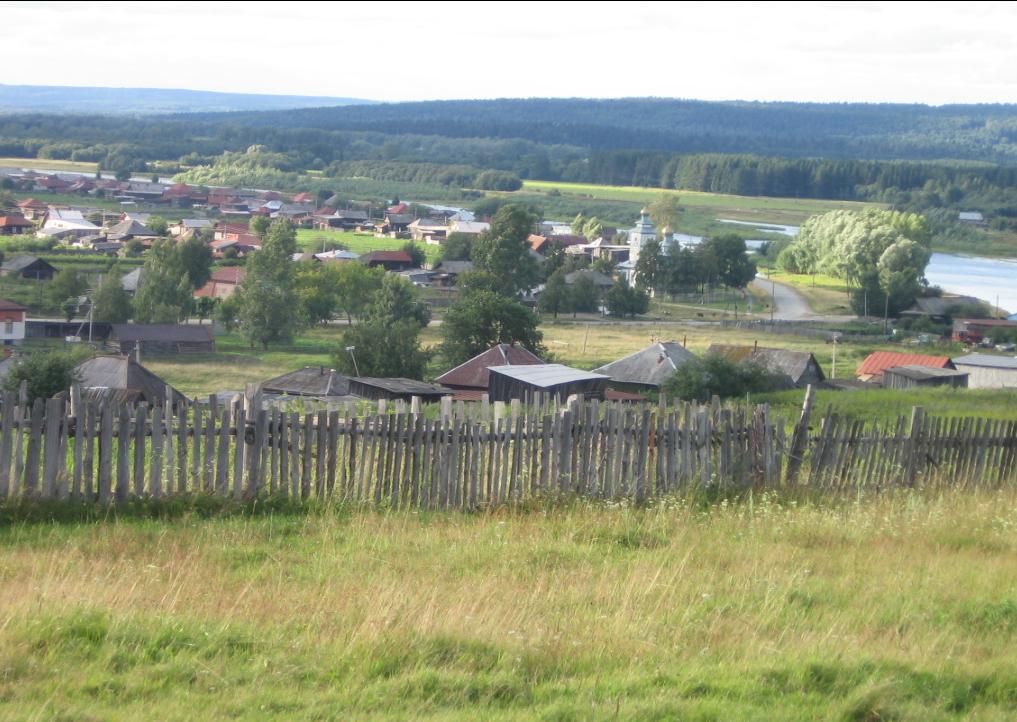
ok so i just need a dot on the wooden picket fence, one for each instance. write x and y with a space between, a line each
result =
476 455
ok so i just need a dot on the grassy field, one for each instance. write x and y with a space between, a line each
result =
889 609
49 164
825 294
311 240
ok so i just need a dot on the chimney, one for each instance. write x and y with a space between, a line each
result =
137 352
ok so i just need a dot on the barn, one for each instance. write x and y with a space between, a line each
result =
911 377
395 389
987 371
648 368
525 382
161 338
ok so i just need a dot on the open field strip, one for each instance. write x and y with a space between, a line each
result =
895 608
49 164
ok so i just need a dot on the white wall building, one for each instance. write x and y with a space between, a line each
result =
987 371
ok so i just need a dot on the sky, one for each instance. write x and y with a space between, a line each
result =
925 52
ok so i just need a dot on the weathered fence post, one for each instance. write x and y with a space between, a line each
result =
799 441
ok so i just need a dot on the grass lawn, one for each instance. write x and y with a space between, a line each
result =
310 240
887 609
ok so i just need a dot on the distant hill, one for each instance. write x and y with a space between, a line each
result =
149 101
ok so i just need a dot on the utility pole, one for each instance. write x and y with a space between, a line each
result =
886 314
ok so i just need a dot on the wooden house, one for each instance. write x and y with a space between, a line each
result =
161 338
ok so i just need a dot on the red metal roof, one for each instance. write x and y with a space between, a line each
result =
231 274
303 198
6 305
474 373
879 361
14 221
30 203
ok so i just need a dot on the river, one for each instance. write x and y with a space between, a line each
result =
985 278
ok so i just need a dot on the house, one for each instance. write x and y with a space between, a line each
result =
649 368
190 226
910 377
32 209
343 220
418 276
12 322
448 271
304 198
241 246
310 381
601 281
429 230
122 379
799 368
973 330
28 267
182 195
69 222
222 283
336 255
396 224
128 230
131 281
987 371
538 244
940 308
161 338
14 224
395 389
389 260
230 231
872 368
973 217
470 228
473 376
524 382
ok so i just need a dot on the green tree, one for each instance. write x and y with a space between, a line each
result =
384 350
650 268
457 247
268 300
356 285
481 319
259 226
227 312
592 229
665 210
158 225
110 302
415 252
47 374
715 375
504 251
732 263
555 298
66 284
317 291
624 300
196 259
164 294
204 307
584 296
396 302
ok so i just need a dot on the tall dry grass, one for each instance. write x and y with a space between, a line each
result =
899 607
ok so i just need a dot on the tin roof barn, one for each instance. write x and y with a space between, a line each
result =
161 338
524 382
474 374
908 377
987 371
650 367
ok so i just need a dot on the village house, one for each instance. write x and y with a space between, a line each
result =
346 220
911 377
32 209
447 272
130 230
121 379
394 389
315 382
131 280
469 228
15 224
389 260
222 283
31 267
798 368
974 330
649 368
470 378
876 363
428 230
12 322
67 221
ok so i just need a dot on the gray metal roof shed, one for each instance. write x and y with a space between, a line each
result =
522 382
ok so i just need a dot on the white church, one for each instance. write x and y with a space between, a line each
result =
642 233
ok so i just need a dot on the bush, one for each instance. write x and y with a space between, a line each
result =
717 375
47 374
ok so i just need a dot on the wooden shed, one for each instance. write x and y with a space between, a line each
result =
396 388
161 338
525 382
917 376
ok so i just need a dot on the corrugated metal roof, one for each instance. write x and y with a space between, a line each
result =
879 361
652 365
923 372
309 381
546 375
123 374
985 360
402 386
474 373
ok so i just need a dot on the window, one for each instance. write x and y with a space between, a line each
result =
8 327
